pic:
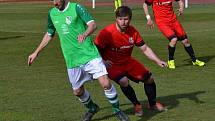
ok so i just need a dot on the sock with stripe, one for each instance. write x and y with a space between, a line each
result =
87 101
113 98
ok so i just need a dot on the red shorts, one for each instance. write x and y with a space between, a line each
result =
172 30
132 69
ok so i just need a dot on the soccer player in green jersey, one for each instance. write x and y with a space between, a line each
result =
74 25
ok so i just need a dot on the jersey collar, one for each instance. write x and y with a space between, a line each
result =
67 6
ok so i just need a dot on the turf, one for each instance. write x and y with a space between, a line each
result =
42 92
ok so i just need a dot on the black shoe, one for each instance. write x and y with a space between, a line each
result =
88 115
122 116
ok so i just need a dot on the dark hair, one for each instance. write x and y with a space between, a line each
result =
123 11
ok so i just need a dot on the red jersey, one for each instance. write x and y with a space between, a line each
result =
163 11
116 46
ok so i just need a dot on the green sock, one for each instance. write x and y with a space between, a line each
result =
91 106
115 107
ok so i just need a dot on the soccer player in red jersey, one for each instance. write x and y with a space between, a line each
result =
168 24
115 43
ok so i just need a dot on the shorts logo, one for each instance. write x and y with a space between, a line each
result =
68 20
131 41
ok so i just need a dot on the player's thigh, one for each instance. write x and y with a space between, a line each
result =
136 71
179 30
77 77
167 30
116 72
95 67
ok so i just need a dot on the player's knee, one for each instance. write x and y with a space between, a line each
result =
78 92
104 82
186 42
173 42
123 82
106 85
148 78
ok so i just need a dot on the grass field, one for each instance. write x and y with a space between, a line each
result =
42 92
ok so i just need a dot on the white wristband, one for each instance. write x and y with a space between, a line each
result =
148 17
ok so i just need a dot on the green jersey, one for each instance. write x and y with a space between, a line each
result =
69 23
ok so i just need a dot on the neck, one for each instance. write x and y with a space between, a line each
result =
64 4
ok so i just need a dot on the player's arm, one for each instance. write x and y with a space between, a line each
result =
146 50
146 12
43 43
139 42
46 38
88 19
181 7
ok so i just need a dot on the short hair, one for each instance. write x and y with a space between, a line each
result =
123 11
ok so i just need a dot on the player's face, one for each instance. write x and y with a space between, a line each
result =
60 4
123 23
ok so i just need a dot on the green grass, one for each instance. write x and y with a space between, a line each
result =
42 92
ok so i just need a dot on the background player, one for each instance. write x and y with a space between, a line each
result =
117 3
168 24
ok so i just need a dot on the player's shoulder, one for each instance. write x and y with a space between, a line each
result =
109 28
132 28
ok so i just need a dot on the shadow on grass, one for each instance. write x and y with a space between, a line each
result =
11 37
206 59
170 102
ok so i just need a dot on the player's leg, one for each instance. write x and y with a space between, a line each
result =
168 32
118 74
129 92
150 90
77 79
171 50
116 4
138 73
119 3
98 70
111 94
188 47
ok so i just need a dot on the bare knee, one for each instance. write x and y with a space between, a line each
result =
173 42
79 92
186 43
105 82
123 82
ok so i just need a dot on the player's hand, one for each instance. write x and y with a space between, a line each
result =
180 11
162 64
31 58
108 63
150 23
81 37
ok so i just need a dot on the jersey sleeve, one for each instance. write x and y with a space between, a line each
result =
101 39
50 26
83 13
138 38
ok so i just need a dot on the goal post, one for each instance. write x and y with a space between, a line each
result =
186 3
93 4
